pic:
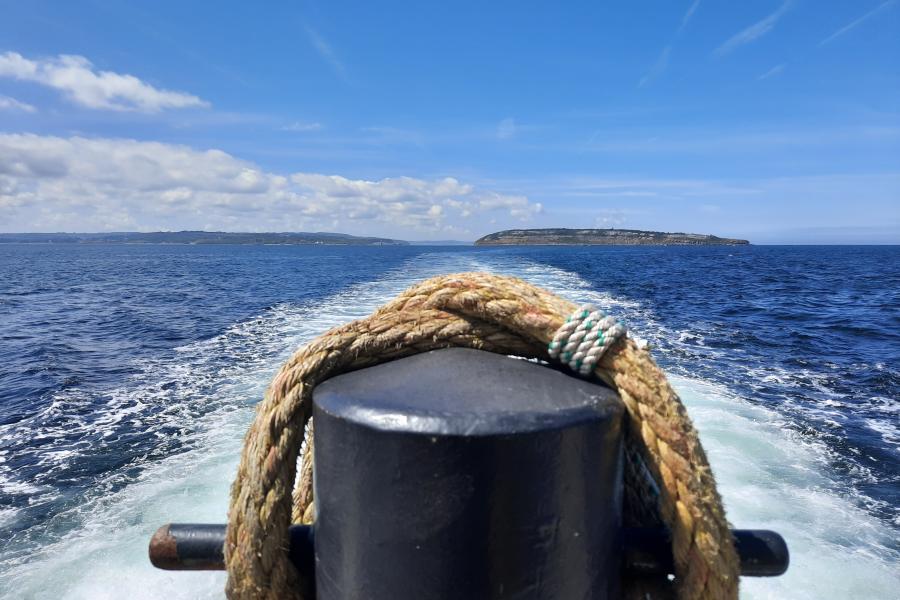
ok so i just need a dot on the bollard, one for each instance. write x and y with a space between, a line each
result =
464 474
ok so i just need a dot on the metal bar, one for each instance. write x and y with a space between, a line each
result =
201 547
762 553
193 547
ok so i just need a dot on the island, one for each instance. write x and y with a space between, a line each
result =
601 237
198 237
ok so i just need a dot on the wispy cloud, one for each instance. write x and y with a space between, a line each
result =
747 141
7 103
662 62
633 190
327 53
300 127
857 22
506 128
773 71
687 16
658 67
754 32
615 217
388 135
76 77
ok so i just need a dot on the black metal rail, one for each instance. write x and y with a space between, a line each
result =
200 547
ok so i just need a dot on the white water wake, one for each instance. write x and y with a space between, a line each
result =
768 475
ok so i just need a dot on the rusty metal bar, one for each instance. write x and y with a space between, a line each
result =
199 547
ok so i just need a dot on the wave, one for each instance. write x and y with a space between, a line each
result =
195 407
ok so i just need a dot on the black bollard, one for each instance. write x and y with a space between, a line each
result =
465 474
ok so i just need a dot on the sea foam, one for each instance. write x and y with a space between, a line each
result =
770 475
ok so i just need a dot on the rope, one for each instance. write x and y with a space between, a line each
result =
585 336
497 314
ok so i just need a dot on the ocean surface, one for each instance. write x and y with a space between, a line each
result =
129 373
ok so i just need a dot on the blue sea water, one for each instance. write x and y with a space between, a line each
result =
128 374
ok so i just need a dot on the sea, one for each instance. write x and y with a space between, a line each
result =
129 374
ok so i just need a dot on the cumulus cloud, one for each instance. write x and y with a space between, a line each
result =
79 184
755 31
84 85
7 103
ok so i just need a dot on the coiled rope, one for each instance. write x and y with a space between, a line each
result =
488 312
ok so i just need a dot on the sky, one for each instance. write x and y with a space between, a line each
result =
776 121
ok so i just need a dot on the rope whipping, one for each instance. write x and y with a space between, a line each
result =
498 314
585 336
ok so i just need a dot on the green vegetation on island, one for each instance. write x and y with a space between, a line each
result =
601 237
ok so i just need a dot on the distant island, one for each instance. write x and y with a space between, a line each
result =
601 237
197 237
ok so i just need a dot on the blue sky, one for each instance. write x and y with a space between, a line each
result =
774 120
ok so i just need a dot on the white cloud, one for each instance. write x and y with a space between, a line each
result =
747 141
638 190
506 128
517 206
327 53
690 13
78 184
77 78
7 103
300 127
755 31
858 21
612 217
773 71
385 134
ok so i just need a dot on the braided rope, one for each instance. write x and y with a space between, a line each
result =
497 314
585 336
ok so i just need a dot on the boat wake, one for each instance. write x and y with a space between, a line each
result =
192 409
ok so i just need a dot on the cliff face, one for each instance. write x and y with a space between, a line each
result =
602 237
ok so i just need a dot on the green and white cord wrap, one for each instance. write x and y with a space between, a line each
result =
584 337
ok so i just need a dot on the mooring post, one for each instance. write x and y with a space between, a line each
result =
464 474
